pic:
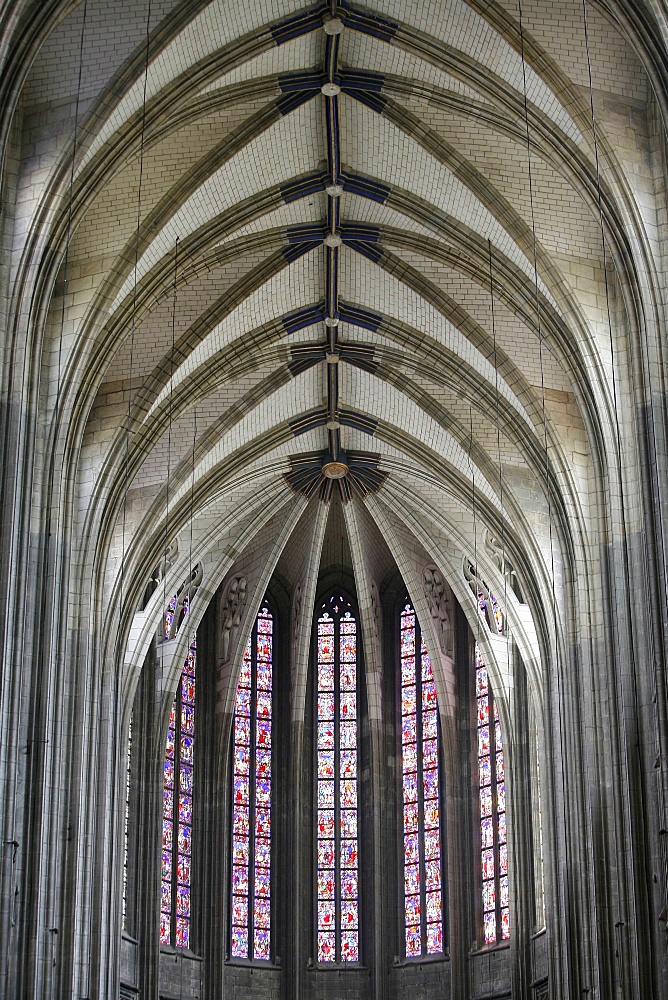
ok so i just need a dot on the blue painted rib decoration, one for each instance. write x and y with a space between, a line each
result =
319 471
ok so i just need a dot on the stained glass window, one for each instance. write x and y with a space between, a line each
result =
337 875
252 795
175 908
420 742
493 845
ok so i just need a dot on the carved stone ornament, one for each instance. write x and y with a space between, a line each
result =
296 611
496 553
437 593
181 603
375 612
231 609
167 561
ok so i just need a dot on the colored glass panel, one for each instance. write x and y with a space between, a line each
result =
423 901
175 907
126 822
336 777
251 797
493 847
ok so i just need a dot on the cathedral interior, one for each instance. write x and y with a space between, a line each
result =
334 491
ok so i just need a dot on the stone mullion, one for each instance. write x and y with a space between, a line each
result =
150 776
520 821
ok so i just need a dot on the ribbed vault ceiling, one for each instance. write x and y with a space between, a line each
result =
450 165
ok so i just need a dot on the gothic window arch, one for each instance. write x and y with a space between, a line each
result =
493 847
252 796
337 687
177 812
421 794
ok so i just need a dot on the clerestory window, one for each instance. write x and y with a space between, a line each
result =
252 796
337 770
421 794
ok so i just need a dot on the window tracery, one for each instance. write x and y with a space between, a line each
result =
422 854
252 796
178 774
492 811
337 868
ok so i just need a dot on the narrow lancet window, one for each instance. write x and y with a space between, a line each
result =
252 795
177 816
493 846
423 867
337 784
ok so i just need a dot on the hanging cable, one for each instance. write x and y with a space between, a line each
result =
623 920
556 672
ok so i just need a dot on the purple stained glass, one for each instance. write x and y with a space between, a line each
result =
349 884
432 844
261 942
500 797
410 758
408 700
500 768
347 674
349 823
178 810
505 923
487 832
485 770
409 729
348 763
239 947
411 879
348 734
435 938
430 725
503 859
434 907
326 676
410 788
262 852
502 828
326 914
325 794
349 853
326 735
348 651
411 848
326 884
488 895
348 705
262 914
486 801
483 711
433 874
326 705
489 920
428 695
412 909
408 668
430 784
503 890
251 843
413 941
262 883
182 932
349 946
326 946
348 793
483 741
410 817
240 879
239 911
429 753
488 863
325 823
326 764
481 681
325 854
431 815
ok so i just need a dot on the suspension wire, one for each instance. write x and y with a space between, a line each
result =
170 419
546 471
14 843
508 627
623 917
128 420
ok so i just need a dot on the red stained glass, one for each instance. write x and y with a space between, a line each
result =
336 768
413 941
494 854
421 793
252 770
178 775
349 946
